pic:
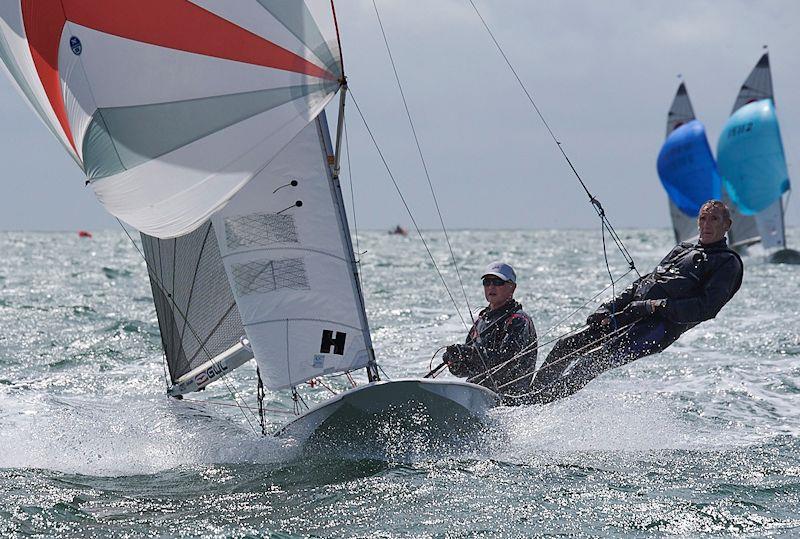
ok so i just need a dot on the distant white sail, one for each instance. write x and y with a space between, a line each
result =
290 266
684 227
171 106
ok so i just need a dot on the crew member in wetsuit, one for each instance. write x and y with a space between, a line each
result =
500 350
690 285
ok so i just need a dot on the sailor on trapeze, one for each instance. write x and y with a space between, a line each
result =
690 285
500 348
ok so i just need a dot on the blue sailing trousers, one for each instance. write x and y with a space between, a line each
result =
577 359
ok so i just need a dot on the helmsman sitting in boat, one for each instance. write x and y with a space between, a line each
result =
690 285
500 350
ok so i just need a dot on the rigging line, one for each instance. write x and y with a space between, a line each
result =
586 348
587 302
214 403
605 257
151 272
422 159
352 199
530 348
595 203
408 209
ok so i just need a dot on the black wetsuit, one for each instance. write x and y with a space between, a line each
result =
493 343
695 281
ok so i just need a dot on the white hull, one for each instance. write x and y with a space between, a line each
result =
439 406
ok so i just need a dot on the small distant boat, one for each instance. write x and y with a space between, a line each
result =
753 165
399 231
84 234
686 167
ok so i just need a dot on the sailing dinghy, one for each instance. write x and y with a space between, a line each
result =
204 128
686 167
753 165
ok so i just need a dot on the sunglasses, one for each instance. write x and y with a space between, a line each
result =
487 281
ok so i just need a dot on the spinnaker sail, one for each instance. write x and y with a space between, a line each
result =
751 157
169 106
686 167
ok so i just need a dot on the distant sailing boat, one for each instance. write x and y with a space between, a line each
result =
207 133
752 162
686 167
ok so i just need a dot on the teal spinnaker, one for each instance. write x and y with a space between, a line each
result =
751 159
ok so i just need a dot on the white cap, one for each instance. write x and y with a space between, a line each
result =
502 270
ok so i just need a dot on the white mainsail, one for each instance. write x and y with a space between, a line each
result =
291 268
171 106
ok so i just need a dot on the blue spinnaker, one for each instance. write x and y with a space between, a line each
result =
687 169
751 158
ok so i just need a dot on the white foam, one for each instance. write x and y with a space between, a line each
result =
603 421
125 437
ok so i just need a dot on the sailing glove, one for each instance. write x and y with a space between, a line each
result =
596 318
637 310
452 354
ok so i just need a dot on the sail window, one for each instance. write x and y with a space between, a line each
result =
261 276
260 229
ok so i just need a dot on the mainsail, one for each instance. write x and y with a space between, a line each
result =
686 167
286 248
170 106
275 266
751 157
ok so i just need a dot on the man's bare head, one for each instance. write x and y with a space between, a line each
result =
713 221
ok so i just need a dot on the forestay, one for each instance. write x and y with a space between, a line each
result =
171 106
285 246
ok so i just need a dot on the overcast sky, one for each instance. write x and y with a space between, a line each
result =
603 74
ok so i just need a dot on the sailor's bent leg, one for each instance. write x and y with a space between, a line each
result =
642 339
563 354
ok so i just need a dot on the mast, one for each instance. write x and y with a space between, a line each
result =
335 161
372 366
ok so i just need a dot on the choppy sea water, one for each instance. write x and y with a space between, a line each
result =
701 440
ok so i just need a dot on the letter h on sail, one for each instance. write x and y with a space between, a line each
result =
328 342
